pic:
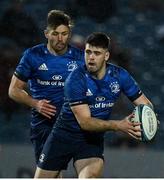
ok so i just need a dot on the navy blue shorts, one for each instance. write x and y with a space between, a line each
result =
59 150
38 139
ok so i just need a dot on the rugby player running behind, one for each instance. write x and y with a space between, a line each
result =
43 69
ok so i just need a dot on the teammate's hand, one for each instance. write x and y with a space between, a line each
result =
131 128
45 108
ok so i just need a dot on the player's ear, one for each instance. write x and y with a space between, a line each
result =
107 55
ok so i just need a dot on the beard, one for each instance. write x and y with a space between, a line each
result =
59 47
92 68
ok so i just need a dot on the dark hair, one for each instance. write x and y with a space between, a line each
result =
98 39
56 18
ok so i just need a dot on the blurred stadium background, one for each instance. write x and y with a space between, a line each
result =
137 32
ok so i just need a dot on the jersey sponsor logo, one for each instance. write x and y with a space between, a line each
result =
89 93
43 67
102 105
50 83
100 98
115 87
57 77
72 66
41 158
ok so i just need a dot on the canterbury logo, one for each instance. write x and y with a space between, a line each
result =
43 67
41 158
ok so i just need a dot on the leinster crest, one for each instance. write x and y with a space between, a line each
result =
115 87
72 65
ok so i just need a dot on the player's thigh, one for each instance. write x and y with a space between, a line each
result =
38 139
41 173
56 154
89 157
90 167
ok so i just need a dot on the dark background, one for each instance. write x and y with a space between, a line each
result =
136 29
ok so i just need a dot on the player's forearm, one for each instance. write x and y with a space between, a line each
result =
98 125
143 100
21 96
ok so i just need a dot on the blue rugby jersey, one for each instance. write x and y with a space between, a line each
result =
46 74
100 95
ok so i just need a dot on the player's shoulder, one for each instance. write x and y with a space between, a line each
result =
78 73
76 49
37 49
75 77
76 52
116 70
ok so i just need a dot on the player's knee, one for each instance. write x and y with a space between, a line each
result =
41 173
93 175
90 174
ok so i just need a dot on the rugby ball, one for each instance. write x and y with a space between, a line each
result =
146 116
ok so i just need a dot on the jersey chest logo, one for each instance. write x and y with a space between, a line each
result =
43 67
115 87
72 65
89 93
57 77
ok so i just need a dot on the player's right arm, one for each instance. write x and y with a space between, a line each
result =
89 123
17 92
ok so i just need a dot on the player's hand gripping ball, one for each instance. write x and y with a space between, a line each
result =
149 123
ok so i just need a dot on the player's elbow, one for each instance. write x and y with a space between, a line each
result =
85 125
11 92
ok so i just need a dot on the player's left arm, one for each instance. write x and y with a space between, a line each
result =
142 100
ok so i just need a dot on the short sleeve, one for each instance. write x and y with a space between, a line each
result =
24 69
75 88
129 86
